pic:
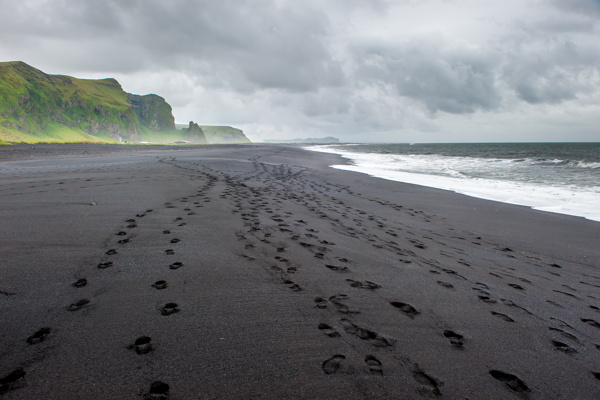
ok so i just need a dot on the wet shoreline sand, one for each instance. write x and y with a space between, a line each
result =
283 278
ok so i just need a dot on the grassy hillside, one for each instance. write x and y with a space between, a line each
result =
224 134
153 112
35 106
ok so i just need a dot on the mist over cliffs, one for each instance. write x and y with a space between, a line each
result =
36 107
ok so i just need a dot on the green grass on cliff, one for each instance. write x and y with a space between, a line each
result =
32 103
54 133
224 134
163 137
37 107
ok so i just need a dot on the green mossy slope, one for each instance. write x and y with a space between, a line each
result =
224 134
35 106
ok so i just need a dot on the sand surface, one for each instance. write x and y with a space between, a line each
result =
291 280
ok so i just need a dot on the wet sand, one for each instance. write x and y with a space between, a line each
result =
258 272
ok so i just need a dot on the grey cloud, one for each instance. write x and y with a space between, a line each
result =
551 65
578 6
306 65
454 81
258 45
549 76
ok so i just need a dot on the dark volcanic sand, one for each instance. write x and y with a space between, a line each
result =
283 278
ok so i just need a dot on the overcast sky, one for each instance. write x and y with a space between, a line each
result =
359 70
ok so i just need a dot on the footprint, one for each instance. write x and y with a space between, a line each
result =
332 365
591 322
39 336
445 284
166 232
176 265
456 339
111 252
78 304
513 382
374 365
431 384
160 284
337 269
506 249
158 391
175 240
123 241
80 283
341 307
349 327
170 252
121 233
366 334
294 286
105 265
487 299
169 308
563 347
12 381
514 285
566 334
554 303
328 330
503 316
363 285
142 345
320 302
406 308
417 244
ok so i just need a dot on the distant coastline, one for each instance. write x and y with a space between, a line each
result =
324 140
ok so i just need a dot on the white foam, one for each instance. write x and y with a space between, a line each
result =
442 173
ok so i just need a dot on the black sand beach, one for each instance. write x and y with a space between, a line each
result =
290 280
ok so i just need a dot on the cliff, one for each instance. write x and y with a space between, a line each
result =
153 112
224 134
194 134
36 107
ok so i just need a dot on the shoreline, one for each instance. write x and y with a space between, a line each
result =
296 280
566 200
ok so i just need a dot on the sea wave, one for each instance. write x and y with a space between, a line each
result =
525 182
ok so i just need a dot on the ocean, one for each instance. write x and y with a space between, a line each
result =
555 177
